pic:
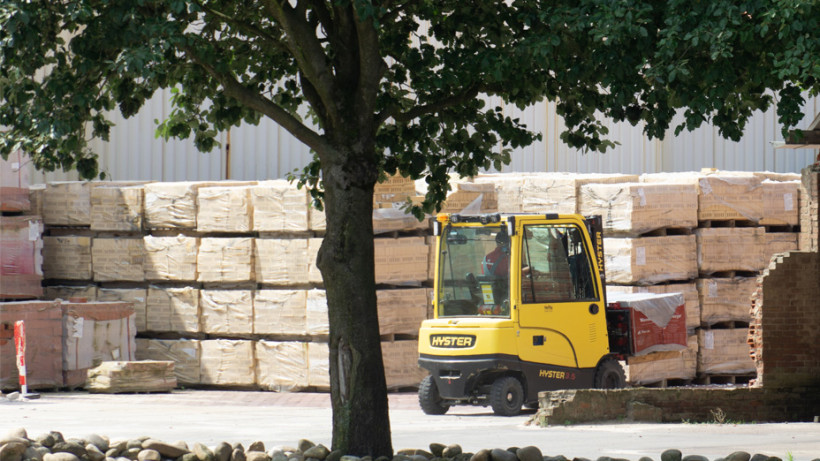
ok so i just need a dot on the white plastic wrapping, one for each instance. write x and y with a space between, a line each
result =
657 307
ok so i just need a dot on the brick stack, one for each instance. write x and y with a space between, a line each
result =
64 339
222 275
705 234
650 247
742 219
21 231
223 280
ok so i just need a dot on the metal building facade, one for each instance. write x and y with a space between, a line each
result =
267 151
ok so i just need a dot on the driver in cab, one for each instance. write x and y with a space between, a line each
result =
496 265
497 262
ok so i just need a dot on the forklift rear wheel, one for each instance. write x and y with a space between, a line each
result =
609 375
507 396
429 398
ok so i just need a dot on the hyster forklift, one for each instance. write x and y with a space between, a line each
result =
519 308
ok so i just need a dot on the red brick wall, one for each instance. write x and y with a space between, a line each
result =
786 307
810 211
787 326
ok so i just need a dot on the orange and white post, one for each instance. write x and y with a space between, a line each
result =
20 344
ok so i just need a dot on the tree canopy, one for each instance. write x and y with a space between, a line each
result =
392 86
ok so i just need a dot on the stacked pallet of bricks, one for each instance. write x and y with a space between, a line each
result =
706 235
222 276
21 231
747 219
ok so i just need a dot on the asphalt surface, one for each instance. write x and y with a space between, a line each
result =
278 419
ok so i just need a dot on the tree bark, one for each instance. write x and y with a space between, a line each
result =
361 423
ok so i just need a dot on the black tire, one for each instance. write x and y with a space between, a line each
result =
609 375
507 396
429 399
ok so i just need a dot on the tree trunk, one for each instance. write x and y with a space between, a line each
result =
361 423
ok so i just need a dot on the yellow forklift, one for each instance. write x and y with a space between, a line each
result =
520 307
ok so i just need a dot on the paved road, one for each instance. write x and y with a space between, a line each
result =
276 419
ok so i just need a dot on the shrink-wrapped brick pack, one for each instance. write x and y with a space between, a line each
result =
401 311
171 258
401 367
660 366
400 261
394 189
93 333
282 366
471 198
779 242
280 312
224 209
730 196
226 312
117 377
314 274
225 362
67 258
687 289
780 203
279 206
726 299
632 209
118 259
318 366
281 261
183 352
173 310
650 260
117 207
225 259
724 352
395 219
316 315
173 205
731 249
21 257
67 203
170 205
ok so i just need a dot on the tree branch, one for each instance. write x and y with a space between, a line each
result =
465 96
307 49
262 105
247 28
371 68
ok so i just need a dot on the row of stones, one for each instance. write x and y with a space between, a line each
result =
17 446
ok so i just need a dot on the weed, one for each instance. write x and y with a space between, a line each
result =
718 415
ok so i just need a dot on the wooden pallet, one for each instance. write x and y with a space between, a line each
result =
741 379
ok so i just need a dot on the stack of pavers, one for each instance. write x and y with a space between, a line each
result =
21 231
222 275
63 339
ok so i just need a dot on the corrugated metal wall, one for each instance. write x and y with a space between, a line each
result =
267 151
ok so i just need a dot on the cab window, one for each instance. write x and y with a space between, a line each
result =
555 265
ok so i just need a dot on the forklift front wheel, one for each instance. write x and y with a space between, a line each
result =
507 396
609 375
429 398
